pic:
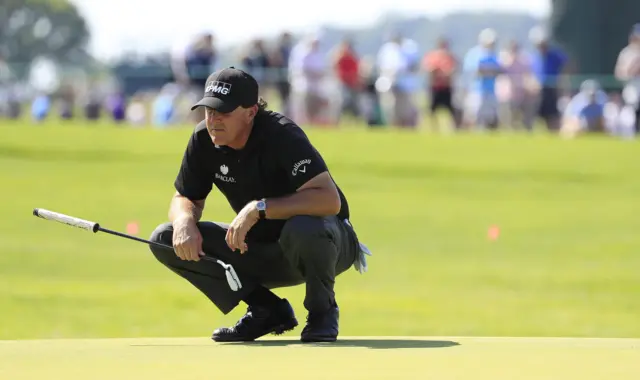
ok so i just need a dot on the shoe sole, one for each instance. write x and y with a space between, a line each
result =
319 339
283 328
276 330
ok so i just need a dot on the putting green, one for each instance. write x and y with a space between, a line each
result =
438 358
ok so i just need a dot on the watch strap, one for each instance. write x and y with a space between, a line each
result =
262 213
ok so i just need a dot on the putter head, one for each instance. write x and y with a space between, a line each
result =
232 277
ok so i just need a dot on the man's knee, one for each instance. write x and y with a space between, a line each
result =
163 234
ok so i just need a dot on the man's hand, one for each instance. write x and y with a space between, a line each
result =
187 240
241 224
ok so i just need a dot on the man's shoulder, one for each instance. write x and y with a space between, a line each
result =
281 132
199 130
200 135
200 127
277 123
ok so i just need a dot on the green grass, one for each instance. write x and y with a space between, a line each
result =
566 262
442 358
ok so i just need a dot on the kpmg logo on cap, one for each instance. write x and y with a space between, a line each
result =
217 87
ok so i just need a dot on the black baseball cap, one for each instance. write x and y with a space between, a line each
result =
228 89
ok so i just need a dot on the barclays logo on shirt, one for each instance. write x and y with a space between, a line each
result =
224 178
224 169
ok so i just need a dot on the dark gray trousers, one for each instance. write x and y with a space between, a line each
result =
311 250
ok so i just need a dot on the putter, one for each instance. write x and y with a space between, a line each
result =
232 277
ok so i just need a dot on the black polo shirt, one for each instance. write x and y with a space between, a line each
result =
277 159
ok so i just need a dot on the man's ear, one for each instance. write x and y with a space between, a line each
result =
252 112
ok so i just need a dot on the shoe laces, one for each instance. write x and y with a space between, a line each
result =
246 318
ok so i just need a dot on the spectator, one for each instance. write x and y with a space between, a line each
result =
136 112
398 65
371 107
585 112
116 104
66 103
40 107
440 66
549 63
164 106
280 66
410 82
66 109
518 88
309 70
620 118
346 65
482 67
192 64
13 104
92 106
627 70
257 63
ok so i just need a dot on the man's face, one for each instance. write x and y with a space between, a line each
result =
225 128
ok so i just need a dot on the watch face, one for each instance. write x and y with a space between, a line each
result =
261 205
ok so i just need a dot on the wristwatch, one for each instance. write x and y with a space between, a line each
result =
262 208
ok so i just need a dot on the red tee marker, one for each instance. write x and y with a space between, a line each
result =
493 233
132 228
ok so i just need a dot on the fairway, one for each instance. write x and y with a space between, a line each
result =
439 358
564 264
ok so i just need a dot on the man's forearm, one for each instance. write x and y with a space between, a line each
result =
182 207
314 201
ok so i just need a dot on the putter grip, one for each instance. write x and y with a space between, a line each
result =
66 219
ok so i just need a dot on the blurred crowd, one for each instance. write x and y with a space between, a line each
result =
497 84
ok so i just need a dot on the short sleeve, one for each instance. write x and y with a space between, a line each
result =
191 181
298 157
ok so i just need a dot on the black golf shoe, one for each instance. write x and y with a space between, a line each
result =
258 322
321 326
